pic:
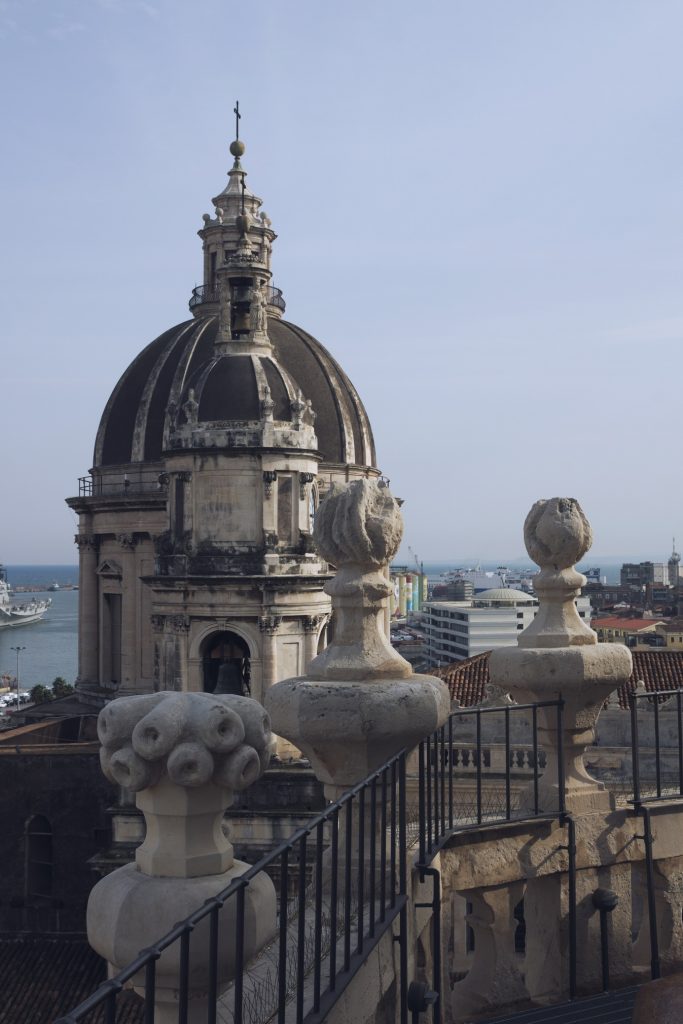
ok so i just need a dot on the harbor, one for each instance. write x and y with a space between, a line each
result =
49 646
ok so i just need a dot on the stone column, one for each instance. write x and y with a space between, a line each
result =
312 624
495 977
88 602
269 625
129 607
558 656
184 755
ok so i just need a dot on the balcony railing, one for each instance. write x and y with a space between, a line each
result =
120 487
209 293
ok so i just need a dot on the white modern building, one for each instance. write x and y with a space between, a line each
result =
456 630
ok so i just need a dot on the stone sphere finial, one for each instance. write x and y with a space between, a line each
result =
237 148
358 524
556 533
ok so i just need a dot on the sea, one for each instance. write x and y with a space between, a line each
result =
50 646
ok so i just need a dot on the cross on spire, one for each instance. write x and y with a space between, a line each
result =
237 114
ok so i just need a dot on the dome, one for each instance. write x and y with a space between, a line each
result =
227 388
505 595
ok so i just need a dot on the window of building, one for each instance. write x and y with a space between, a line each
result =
39 880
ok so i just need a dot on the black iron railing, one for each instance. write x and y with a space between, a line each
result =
123 486
657 765
343 880
657 768
209 293
443 810
350 867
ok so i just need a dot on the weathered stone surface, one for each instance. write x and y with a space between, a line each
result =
558 656
184 755
557 533
360 703
347 730
660 1002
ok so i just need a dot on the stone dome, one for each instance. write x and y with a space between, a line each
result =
504 595
134 425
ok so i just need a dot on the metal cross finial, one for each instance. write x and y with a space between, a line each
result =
237 114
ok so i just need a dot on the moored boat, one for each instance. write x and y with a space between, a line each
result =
12 614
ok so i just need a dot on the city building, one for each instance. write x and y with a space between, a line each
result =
456 630
674 566
409 591
617 630
637 575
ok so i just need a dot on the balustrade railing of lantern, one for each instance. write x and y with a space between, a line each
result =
206 293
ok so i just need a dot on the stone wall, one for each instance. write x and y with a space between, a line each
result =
68 790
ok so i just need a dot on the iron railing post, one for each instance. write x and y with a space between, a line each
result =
655 969
635 748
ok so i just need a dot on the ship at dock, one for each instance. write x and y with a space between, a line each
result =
14 614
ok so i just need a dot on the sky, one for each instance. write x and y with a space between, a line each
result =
480 213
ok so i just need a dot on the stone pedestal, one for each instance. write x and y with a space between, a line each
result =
558 656
496 976
184 755
360 703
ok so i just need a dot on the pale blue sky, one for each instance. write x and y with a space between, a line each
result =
479 207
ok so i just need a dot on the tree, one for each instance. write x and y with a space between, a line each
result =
40 694
60 687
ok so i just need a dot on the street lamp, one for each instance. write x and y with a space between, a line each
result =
18 650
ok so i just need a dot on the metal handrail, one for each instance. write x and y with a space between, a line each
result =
439 816
368 923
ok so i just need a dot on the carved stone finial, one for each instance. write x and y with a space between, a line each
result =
358 524
358 528
183 754
156 743
556 533
360 702
558 656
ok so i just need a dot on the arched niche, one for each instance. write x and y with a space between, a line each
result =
225 663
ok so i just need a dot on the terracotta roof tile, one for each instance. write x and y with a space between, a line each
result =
655 670
42 979
616 623
466 680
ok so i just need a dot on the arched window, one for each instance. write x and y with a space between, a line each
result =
39 879
226 664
